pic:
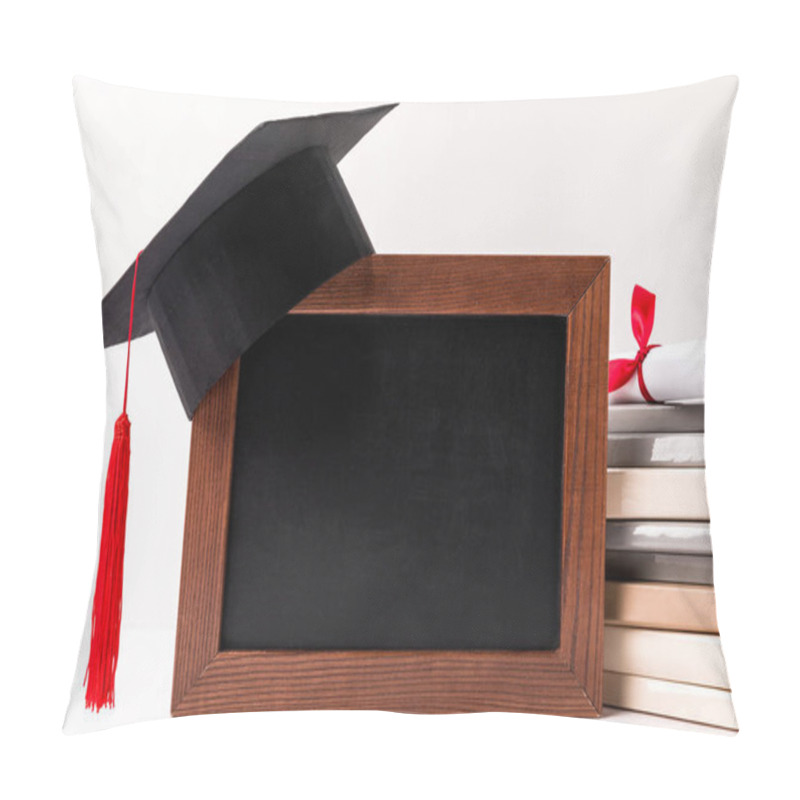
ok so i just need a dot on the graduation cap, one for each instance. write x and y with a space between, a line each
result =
268 225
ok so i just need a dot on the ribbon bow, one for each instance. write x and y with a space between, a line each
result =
620 370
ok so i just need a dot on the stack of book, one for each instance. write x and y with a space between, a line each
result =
662 645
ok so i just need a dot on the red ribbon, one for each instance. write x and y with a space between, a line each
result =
620 370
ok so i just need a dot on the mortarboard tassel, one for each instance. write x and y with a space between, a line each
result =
107 603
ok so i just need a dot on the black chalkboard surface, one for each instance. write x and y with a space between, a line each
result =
397 484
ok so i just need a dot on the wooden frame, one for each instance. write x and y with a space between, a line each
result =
565 681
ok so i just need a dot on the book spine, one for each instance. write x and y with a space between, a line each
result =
667 418
656 450
670 699
694 658
663 494
665 606
657 536
623 565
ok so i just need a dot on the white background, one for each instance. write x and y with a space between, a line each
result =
53 386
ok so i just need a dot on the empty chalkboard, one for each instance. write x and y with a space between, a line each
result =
396 497
397 484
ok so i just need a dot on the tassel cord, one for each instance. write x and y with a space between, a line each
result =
107 602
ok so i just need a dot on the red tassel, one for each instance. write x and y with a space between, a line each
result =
107 604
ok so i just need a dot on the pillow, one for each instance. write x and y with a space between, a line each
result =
179 177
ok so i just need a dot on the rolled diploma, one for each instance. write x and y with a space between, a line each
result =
671 372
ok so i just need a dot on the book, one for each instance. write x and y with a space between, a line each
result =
627 717
656 450
670 699
667 655
666 606
659 536
632 565
643 493
658 418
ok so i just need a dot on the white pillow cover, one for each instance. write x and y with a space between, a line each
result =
635 177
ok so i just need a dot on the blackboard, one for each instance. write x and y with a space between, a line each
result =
397 484
396 497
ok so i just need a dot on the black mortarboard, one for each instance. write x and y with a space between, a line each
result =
268 225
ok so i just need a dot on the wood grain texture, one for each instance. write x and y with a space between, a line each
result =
408 681
413 284
205 533
585 453
565 681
